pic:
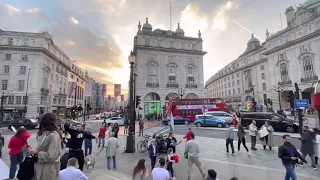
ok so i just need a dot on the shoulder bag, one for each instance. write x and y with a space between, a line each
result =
26 170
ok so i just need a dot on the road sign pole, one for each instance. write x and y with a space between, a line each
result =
299 110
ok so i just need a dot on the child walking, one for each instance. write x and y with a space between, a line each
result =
170 162
229 140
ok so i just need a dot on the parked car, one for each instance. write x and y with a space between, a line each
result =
209 120
277 121
287 112
98 116
177 120
27 123
221 115
113 120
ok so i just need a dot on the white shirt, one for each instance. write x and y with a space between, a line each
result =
154 149
252 130
72 173
160 174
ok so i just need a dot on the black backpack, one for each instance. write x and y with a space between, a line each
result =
26 171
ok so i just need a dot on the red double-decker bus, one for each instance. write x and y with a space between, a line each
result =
189 108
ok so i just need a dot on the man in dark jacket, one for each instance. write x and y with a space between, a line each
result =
307 146
1 144
64 159
289 157
153 151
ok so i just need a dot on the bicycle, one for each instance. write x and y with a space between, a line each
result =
142 145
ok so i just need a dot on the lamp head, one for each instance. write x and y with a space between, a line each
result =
132 58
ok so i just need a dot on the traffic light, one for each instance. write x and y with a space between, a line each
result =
138 99
290 99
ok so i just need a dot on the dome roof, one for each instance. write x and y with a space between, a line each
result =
253 39
179 30
146 25
310 3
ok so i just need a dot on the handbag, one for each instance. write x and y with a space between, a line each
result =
26 171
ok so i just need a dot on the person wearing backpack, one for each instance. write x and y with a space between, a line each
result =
1 144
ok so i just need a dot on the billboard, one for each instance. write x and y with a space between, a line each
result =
71 88
117 90
88 89
104 90
151 108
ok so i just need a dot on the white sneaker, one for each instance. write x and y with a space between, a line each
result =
248 153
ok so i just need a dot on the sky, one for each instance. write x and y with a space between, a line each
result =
98 34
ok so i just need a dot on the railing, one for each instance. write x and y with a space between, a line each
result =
172 85
191 86
282 83
248 91
309 79
152 85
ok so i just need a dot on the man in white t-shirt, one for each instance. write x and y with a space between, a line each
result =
71 172
160 173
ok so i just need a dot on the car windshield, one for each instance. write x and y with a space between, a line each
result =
280 117
33 120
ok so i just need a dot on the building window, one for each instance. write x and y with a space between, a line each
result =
232 76
54 101
159 43
8 57
6 69
26 42
4 84
228 84
282 56
21 85
262 67
263 76
24 58
25 99
190 70
264 86
238 90
238 82
232 83
194 47
305 48
308 67
284 72
23 69
10 41
18 99
221 92
190 81
229 92
147 42
171 44
10 99
152 73
225 86
233 91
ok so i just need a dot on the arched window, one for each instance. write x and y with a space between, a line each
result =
10 40
26 42
147 42
308 67
284 74
172 74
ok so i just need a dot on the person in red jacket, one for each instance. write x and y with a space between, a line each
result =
102 135
16 146
188 138
234 120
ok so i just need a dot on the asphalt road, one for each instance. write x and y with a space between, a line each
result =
211 133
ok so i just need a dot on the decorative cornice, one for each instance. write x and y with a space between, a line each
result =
237 70
294 42
170 50
168 36
40 50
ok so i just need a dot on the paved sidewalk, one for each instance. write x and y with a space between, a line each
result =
261 165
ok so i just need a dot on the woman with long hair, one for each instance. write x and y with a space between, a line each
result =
140 172
316 144
16 146
48 149
242 138
115 129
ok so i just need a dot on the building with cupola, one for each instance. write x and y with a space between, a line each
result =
270 69
168 64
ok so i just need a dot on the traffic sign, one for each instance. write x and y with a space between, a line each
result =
301 103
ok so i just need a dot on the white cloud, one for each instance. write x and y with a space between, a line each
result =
12 10
71 43
220 20
34 10
73 20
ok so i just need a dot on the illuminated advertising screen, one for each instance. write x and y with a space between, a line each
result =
152 108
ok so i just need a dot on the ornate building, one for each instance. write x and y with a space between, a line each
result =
286 57
166 62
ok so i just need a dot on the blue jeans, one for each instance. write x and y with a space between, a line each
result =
14 161
114 162
101 141
87 150
290 173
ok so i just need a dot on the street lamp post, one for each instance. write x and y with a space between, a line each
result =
279 90
26 98
131 137
181 93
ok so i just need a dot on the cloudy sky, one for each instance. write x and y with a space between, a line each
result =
98 34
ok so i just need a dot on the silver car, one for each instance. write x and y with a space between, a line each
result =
221 115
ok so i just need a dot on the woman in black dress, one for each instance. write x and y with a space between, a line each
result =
171 142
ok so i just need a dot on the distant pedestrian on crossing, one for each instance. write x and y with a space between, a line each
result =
193 156
126 125
229 140
253 131
141 127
